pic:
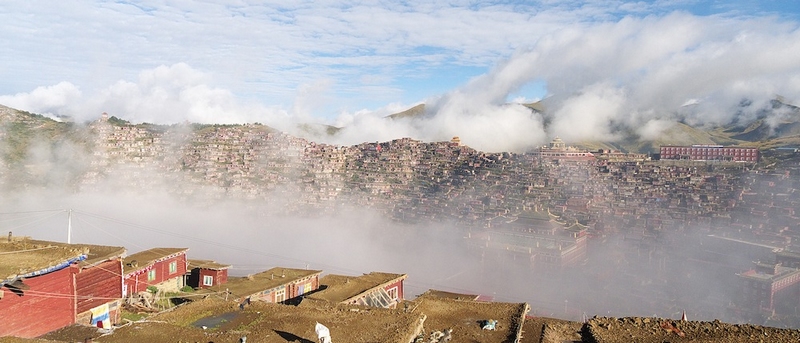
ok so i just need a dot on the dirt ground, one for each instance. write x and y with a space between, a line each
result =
275 323
656 330
466 318
268 323
549 330
73 333
650 330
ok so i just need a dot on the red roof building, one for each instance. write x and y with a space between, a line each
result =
50 285
163 268
374 289
538 237
559 151
709 153
206 273
276 285
767 286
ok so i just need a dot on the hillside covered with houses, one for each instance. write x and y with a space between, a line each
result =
556 212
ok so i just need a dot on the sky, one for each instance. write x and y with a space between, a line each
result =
603 66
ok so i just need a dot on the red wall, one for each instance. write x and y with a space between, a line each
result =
97 284
400 293
295 291
162 274
291 291
48 305
220 277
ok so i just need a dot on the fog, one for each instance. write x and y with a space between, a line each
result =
352 242
434 255
141 208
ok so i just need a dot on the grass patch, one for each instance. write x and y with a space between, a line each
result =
132 316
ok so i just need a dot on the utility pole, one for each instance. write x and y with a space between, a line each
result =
69 226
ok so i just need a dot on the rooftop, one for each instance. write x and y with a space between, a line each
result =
788 253
207 264
781 273
270 323
341 288
23 255
530 242
449 295
269 279
142 259
465 317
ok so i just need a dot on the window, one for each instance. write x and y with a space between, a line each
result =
151 275
392 293
208 280
280 295
173 267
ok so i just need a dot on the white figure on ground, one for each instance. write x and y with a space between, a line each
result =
323 333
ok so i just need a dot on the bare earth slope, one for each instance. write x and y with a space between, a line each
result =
657 330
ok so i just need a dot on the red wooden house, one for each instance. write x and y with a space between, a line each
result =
374 289
276 285
98 286
206 273
50 285
163 268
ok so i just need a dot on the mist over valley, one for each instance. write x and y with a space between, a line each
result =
654 237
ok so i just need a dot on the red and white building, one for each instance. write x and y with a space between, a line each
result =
206 273
709 153
767 286
559 151
163 268
50 285
276 285
375 289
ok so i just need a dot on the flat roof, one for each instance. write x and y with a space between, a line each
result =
535 242
270 323
465 317
783 272
147 257
268 279
341 288
24 255
788 253
449 295
207 264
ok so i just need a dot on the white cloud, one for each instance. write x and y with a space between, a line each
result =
51 100
282 64
591 115
171 94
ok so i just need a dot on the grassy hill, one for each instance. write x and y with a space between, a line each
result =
409 113
774 127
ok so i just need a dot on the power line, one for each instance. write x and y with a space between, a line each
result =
228 246
38 219
210 242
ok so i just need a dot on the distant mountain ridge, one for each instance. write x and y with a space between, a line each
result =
773 127
777 126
